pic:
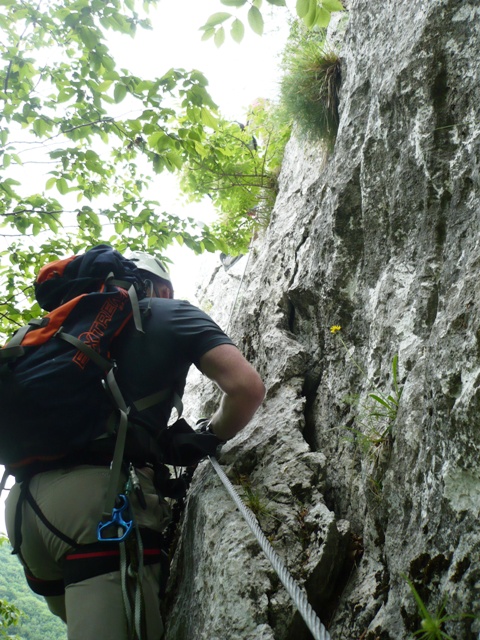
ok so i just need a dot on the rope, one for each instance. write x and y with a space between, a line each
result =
299 598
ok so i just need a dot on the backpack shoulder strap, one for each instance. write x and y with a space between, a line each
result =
132 294
100 361
4 479
13 348
156 398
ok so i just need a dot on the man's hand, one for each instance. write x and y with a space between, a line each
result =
203 427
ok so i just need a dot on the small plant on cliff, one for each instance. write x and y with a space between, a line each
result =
375 416
252 498
431 624
310 86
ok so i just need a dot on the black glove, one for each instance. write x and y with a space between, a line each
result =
182 446
203 426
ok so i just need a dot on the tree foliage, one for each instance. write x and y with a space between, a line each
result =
314 13
98 134
23 614
239 173
10 615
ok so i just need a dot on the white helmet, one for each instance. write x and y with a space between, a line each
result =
150 264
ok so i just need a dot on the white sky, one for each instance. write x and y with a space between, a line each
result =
237 74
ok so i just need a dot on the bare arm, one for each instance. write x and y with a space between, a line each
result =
243 389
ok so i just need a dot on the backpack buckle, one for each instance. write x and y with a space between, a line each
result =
121 522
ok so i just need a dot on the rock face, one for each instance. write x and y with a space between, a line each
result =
382 238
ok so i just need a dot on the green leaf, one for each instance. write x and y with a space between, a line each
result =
10 182
158 163
40 127
65 94
311 17
119 92
151 242
52 223
332 5
62 186
209 33
50 183
255 20
379 400
174 159
233 3
219 38
238 30
278 3
323 17
303 7
200 149
217 18
144 85
395 369
208 119
89 37
159 141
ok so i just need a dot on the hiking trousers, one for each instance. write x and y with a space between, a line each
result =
72 501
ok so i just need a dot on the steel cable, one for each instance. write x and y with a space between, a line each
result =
298 596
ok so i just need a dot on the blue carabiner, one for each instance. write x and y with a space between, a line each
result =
118 521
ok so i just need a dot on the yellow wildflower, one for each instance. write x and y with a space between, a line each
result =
335 329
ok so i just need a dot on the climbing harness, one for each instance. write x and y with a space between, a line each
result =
299 598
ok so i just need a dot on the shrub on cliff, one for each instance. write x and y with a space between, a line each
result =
310 86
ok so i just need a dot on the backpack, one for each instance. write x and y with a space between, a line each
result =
55 371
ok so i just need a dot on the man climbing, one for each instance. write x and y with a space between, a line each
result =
104 589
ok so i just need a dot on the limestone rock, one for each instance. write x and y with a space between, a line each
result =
381 238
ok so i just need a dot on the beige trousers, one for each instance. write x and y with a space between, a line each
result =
73 500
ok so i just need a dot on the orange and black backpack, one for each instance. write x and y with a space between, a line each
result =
55 371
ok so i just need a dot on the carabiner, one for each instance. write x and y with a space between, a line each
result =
119 520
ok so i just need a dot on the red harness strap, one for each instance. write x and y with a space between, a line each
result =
88 561
91 560
44 587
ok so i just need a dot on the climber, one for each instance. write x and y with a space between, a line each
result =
52 518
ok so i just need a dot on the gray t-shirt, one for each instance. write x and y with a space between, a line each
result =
176 335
